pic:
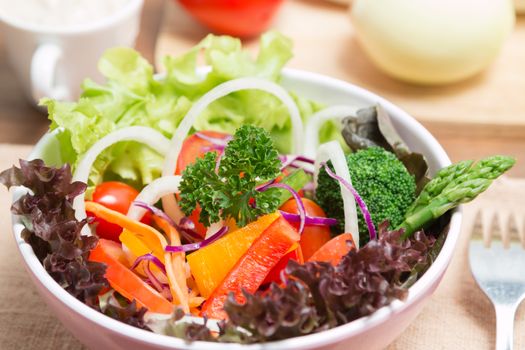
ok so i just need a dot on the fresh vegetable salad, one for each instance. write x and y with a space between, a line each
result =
213 204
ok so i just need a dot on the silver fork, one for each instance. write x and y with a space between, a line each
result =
497 263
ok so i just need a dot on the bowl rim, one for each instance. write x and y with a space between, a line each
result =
415 292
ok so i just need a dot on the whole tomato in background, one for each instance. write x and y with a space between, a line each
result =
242 18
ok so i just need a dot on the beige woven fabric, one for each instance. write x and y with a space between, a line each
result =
458 315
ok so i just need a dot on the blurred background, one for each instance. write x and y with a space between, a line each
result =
468 93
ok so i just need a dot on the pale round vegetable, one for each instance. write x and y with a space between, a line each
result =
145 135
432 41
153 192
317 120
332 151
169 202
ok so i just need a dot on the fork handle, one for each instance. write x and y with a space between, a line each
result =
505 326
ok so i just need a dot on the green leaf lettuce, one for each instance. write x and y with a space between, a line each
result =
133 96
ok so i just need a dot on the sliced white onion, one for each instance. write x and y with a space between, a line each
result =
153 192
169 202
145 135
213 228
332 151
317 120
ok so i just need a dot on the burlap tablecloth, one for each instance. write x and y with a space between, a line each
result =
458 315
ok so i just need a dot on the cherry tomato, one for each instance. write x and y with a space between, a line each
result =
196 147
313 237
117 196
241 18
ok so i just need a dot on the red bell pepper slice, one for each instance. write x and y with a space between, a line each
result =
253 267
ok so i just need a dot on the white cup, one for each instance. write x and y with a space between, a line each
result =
53 61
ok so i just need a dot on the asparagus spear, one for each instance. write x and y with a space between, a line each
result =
456 184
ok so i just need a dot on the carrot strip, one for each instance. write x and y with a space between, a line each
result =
156 242
125 281
175 266
148 233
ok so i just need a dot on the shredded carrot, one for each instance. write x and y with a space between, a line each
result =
175 266
125 281
155 240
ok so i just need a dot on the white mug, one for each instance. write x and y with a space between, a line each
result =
53 61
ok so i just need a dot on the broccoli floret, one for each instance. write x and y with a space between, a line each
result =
380 179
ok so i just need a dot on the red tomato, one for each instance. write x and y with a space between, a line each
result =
313 237
243 18
117 196
196 147
334 250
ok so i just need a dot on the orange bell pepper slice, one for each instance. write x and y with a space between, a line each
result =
334 250
125 281
253 267
209 265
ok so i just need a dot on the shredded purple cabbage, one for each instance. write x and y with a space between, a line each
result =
155 211
186 227
300 205
290 161
358 199
149 258
197 245
309 220
264 186
152 279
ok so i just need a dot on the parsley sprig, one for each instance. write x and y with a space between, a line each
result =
249 159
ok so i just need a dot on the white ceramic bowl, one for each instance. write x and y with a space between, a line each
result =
98 331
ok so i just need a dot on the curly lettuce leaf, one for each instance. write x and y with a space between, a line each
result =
52 229
316 296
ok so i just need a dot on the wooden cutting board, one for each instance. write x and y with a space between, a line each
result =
324 42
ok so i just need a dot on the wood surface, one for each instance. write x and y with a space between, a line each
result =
481 116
